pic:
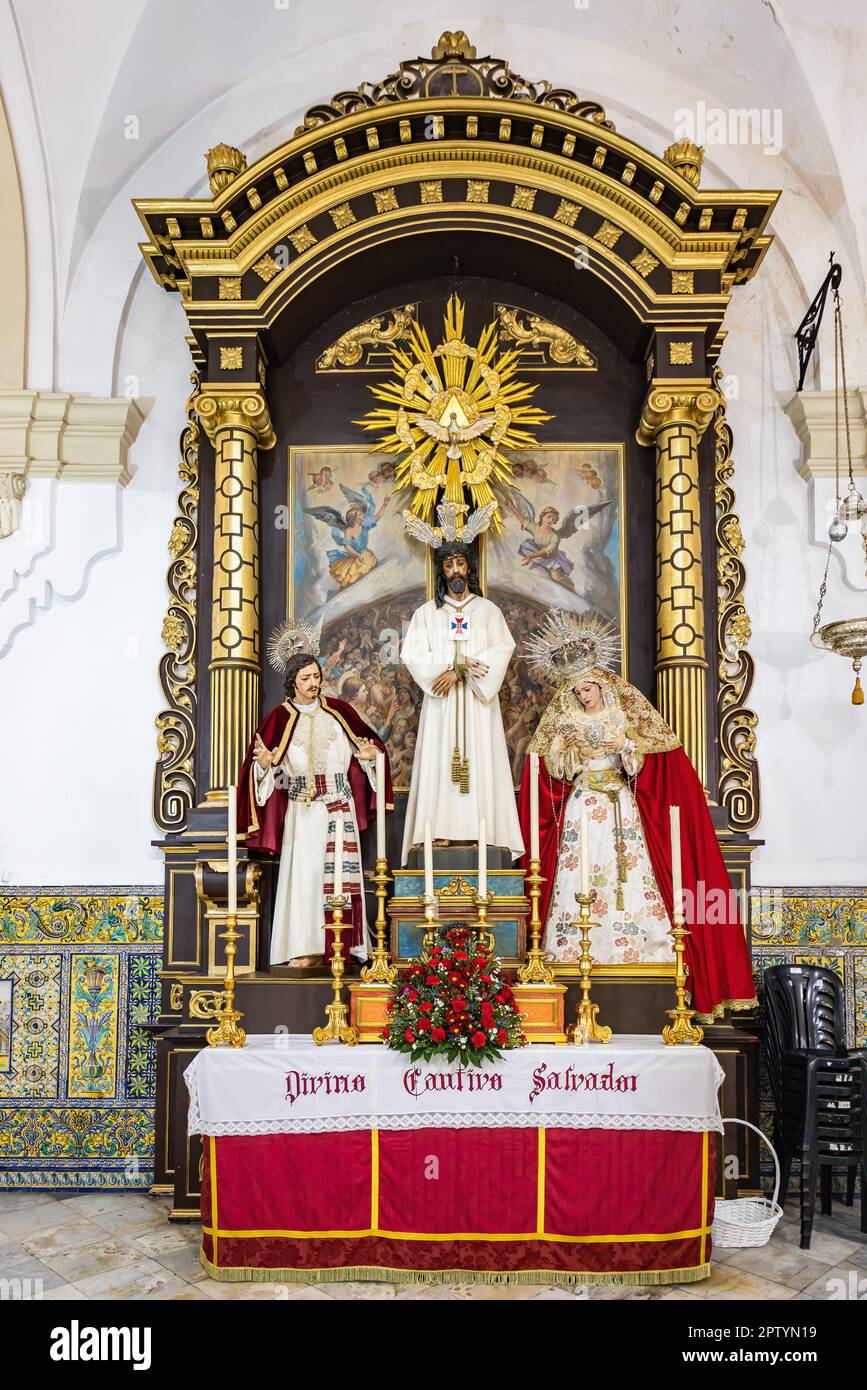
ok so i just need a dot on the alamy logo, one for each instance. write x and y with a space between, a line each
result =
77 1343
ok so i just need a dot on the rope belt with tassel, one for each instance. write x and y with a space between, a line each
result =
460 765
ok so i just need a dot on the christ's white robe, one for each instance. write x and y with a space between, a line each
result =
299 907
428 650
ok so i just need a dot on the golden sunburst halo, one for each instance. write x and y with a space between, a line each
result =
452 413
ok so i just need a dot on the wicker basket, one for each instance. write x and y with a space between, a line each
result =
747 1220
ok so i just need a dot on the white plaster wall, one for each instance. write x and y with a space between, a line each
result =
89 589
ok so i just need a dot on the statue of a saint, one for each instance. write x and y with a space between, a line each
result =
311 763
609 762
457 649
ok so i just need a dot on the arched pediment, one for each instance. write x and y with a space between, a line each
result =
444 156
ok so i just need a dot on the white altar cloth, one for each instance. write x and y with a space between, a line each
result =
280 1084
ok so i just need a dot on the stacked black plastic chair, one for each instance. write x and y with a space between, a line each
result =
819 1086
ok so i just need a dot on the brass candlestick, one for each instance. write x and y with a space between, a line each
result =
432 925
220 1003
380 971
681 1029
536 970
585 1024
486 938
338 1028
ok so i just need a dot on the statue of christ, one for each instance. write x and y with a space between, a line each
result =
457 649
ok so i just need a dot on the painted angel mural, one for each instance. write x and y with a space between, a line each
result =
351 558
543 549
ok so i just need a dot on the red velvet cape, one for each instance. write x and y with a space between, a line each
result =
261 827
716 949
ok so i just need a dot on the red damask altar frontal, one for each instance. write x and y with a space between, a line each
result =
531 1205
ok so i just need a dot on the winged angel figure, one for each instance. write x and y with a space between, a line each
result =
543 549
351 559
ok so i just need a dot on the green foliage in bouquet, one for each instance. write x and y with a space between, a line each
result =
457 1002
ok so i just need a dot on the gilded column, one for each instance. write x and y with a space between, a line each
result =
674 419
238 426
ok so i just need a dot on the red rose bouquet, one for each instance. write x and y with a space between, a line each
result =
456 1001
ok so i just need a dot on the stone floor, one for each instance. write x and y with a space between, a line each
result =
120 1246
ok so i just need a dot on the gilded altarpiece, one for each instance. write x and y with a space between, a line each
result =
299 276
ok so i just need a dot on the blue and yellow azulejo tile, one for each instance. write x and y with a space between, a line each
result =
79 977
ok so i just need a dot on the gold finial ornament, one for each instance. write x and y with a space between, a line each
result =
686 158
453 44
225 163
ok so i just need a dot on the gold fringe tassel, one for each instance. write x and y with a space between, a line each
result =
379 1274
735 1005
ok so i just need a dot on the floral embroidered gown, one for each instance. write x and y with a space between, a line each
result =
633 925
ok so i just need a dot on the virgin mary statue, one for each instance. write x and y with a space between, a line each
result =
609 762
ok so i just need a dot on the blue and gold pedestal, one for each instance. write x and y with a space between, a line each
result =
456 888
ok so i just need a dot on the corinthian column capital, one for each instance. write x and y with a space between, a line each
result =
220 408
684 403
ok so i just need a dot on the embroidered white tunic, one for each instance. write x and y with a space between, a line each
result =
299 904
429 649
637 932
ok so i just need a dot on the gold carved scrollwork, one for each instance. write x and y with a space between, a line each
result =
458 887
552 341
174 775
453 70
739 787
352 347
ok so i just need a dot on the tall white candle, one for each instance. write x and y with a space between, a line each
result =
380 804
233 849
585 853
534 805
338 858
676 878
483 859
428 861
